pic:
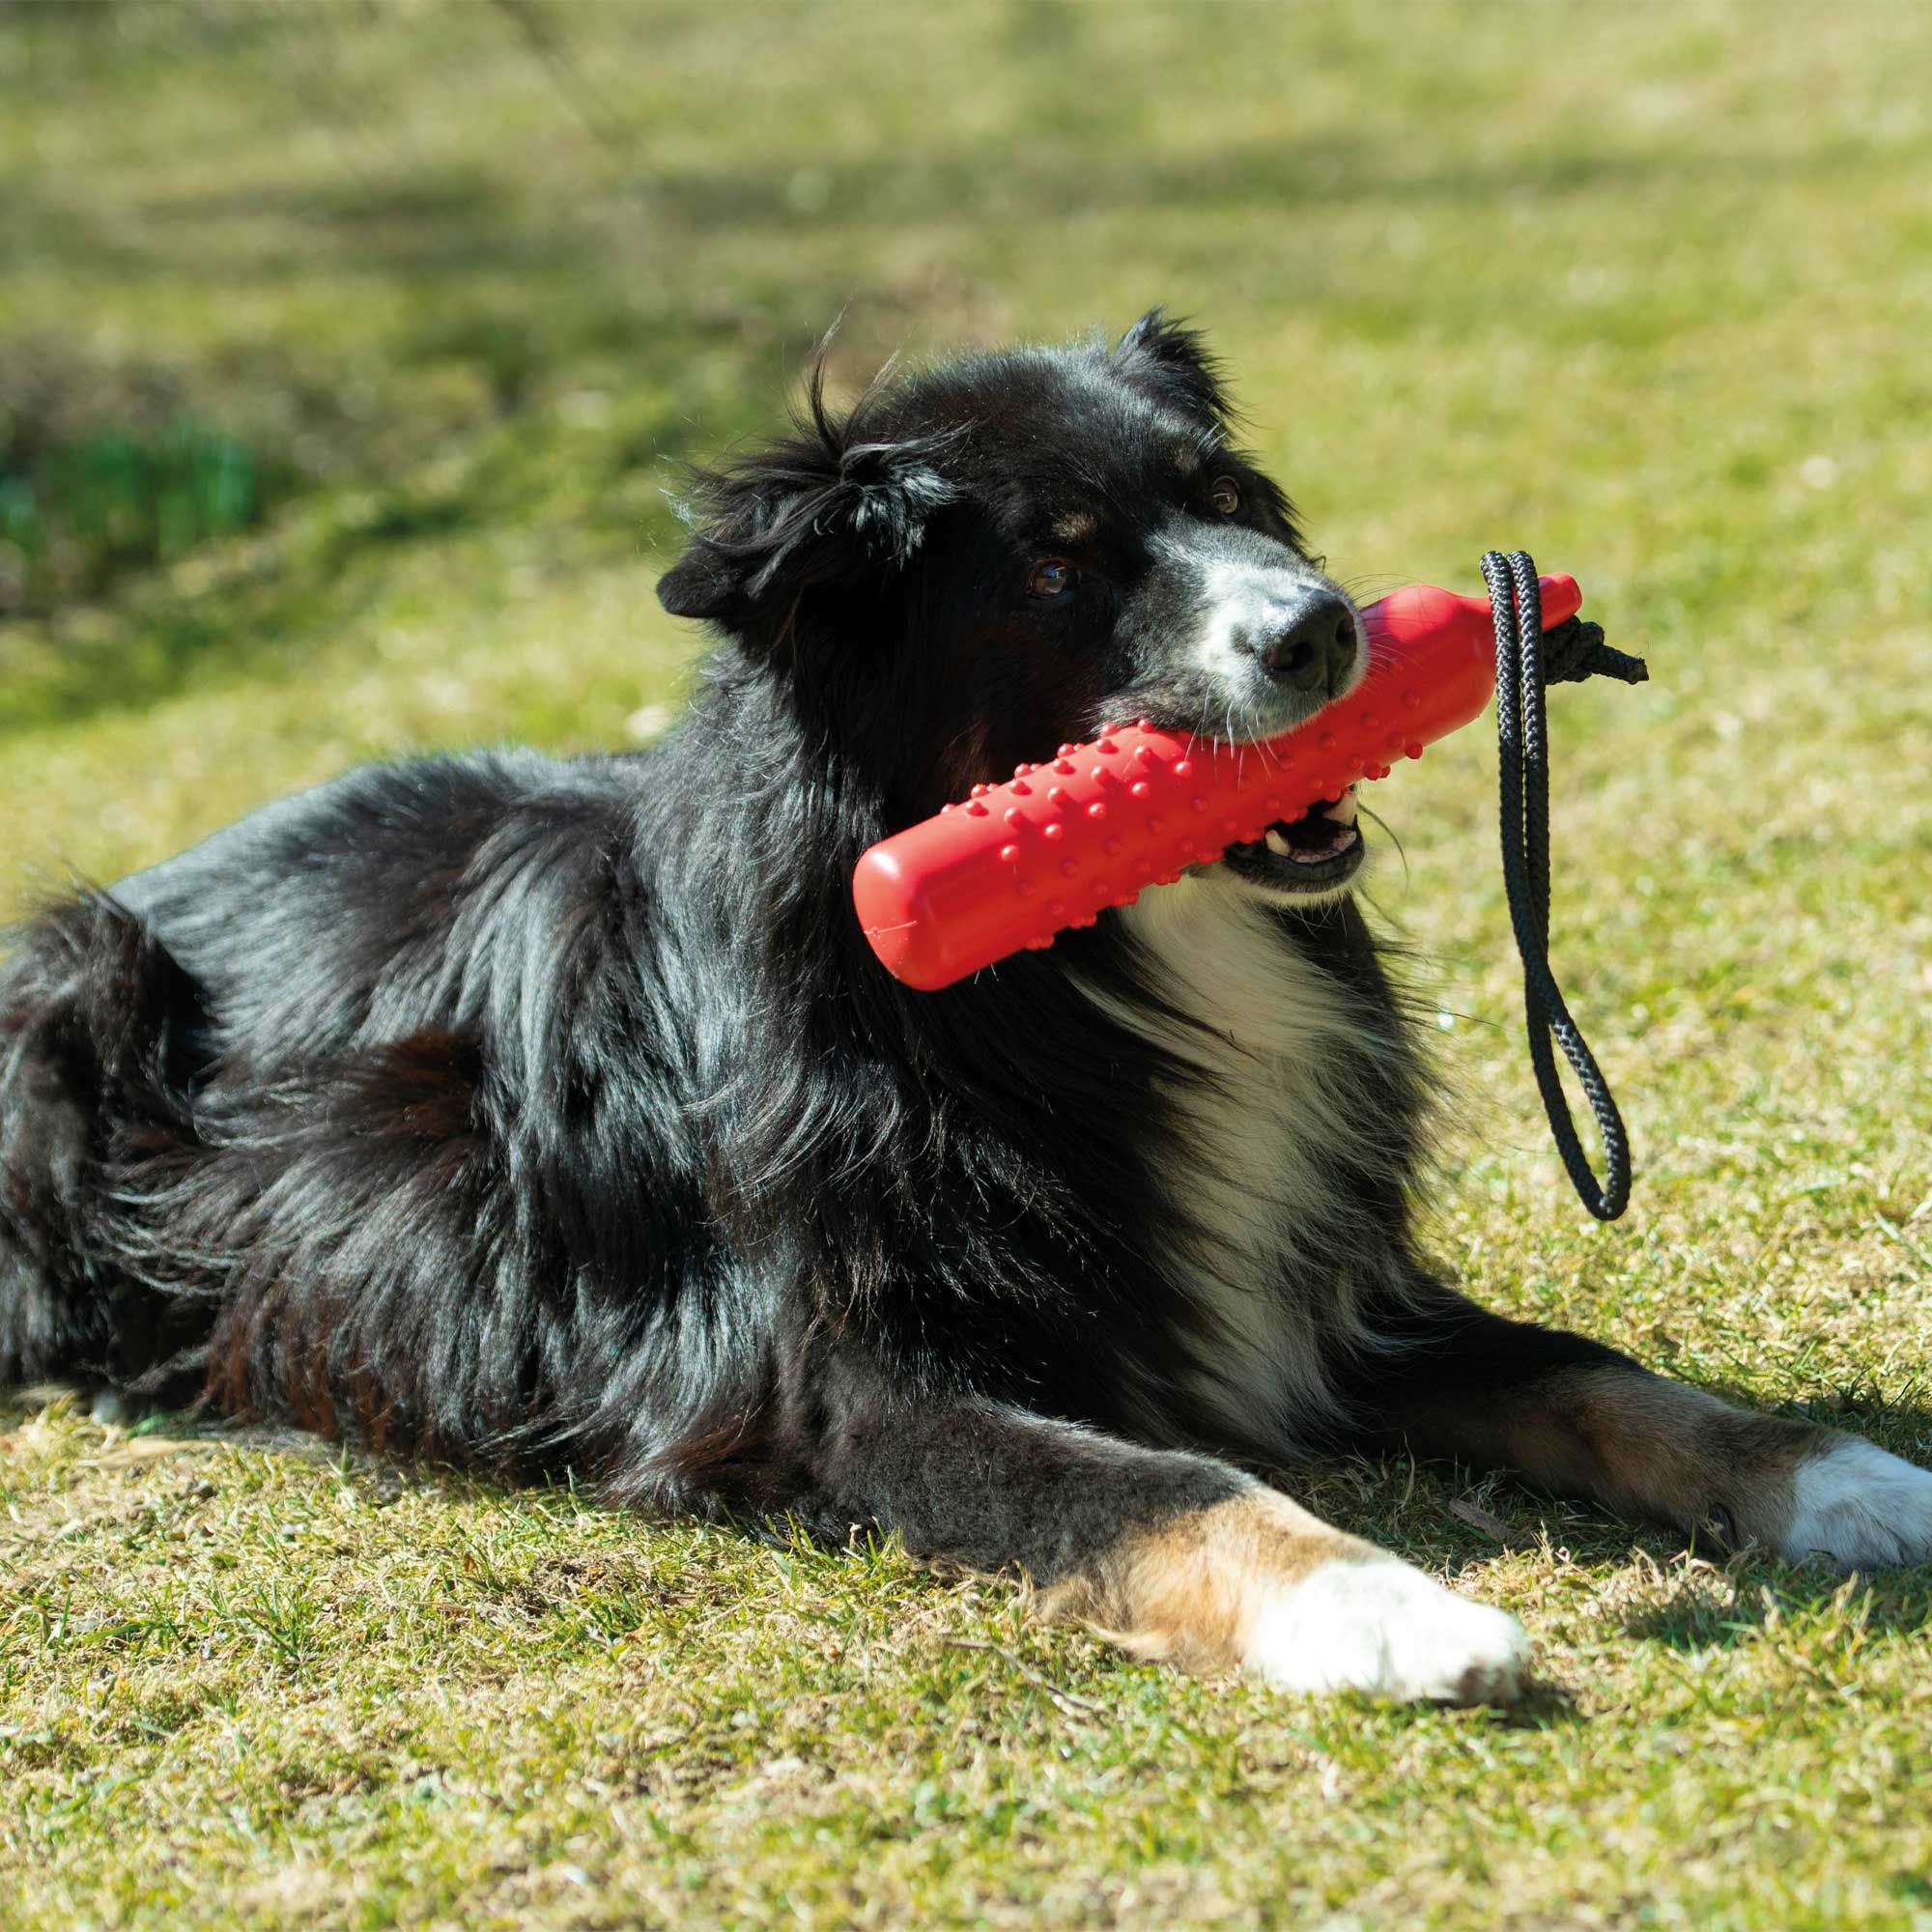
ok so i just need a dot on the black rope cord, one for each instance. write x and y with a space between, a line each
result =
1526 661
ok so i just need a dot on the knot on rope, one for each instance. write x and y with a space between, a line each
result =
1575 650
1527 660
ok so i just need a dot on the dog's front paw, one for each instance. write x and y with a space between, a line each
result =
1858 1506
1376 1624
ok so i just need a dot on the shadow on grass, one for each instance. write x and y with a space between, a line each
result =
1768 1593
1452 1519
1078 178
264 617
304 579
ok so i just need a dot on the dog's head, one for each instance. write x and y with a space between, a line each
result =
985 559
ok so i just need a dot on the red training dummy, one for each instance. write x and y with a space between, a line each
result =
1018 863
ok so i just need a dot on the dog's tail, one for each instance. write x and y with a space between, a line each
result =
102 1033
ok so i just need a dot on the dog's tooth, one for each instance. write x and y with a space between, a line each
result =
1276 843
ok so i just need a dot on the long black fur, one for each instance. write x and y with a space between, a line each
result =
543 1114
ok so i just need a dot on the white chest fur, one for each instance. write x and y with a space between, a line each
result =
1246 1151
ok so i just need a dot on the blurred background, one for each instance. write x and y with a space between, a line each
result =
347 352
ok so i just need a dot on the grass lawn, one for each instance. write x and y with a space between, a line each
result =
1647 291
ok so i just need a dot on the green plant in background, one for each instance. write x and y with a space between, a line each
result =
71 518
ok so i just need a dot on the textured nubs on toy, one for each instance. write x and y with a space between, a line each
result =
1018 862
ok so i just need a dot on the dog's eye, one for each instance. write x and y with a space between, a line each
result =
1052 577
1226 495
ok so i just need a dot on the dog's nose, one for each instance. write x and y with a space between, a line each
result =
1315 649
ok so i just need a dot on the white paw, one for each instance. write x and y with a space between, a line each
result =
1379 1625
1857 1505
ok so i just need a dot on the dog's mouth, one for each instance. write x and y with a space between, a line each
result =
1314 853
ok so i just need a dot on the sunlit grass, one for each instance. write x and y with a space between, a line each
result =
1644 292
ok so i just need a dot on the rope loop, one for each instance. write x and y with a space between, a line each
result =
1527 661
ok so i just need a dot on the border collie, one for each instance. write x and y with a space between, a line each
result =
546 1115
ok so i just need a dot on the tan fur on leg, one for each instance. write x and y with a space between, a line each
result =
1190 1591
1256 1584
1653 1448
1656 1448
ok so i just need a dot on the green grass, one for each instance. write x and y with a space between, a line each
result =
1645 290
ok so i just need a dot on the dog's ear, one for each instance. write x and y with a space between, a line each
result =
838 504
1173 360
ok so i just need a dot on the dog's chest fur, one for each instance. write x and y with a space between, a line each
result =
1252 1146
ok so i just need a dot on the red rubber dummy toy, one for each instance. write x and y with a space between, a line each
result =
1018 863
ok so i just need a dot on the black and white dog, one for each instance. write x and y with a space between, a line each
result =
546 1115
